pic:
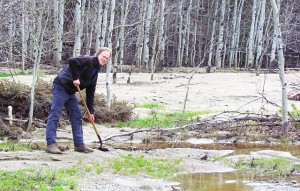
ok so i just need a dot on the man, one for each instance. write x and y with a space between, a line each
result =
82 72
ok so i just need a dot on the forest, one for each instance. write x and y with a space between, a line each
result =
149 34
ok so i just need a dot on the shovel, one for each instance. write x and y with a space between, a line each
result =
101 148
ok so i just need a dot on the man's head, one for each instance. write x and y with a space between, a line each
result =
103 54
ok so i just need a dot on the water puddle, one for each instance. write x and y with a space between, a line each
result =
230 181
222 181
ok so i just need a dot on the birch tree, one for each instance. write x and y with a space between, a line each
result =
140 34
188 29
109 64
280 63
179 54
161 41
37 37
58 26
147 35
274 45
98 25
221 35
211 44
104 23
77 40
121 37
250 60
237 36
260 35
25 35
233 37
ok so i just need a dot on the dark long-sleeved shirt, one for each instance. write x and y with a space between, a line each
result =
84 68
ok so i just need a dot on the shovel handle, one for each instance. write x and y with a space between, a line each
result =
87 109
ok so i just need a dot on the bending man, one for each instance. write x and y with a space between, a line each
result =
82 72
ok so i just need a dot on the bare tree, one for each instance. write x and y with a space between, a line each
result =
58 27
221 37
281 64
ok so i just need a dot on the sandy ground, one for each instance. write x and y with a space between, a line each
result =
214 92
207 92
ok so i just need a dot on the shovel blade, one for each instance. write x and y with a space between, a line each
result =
103 149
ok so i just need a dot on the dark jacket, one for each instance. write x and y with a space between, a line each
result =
84 68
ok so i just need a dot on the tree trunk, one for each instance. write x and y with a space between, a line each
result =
211 45
188 30
140 35
24 36
58 34
179 54
250 60
281 64
260 36
161 42
108 69
273 61
37 47
221 35
98 25
147 35
104 24
233 37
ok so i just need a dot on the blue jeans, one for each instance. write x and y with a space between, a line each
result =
62 99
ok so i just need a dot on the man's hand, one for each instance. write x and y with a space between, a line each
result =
91 118
76 83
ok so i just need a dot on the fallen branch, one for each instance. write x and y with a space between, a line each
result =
217 122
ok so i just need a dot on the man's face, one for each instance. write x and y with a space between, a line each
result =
103 57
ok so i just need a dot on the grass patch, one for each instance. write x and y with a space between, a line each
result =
153 167
151 106
163 120
264 166
2 75
13 146
30 179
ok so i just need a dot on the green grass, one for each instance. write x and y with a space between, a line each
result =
151 106
273 167
13 146
4 75
30 179
264 166
154 167
163 120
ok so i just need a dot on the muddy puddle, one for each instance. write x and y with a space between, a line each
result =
225 181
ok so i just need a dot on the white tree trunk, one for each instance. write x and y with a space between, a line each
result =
238 31
221 35
98 25
233 37
25 35
108 69
37 47
281 64
58 34
211 45
77 40
104 24
140 31
161 42
147 35
188 29
154 50
250 60
273 61
260 35
179 55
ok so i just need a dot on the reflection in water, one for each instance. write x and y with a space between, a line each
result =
230 181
